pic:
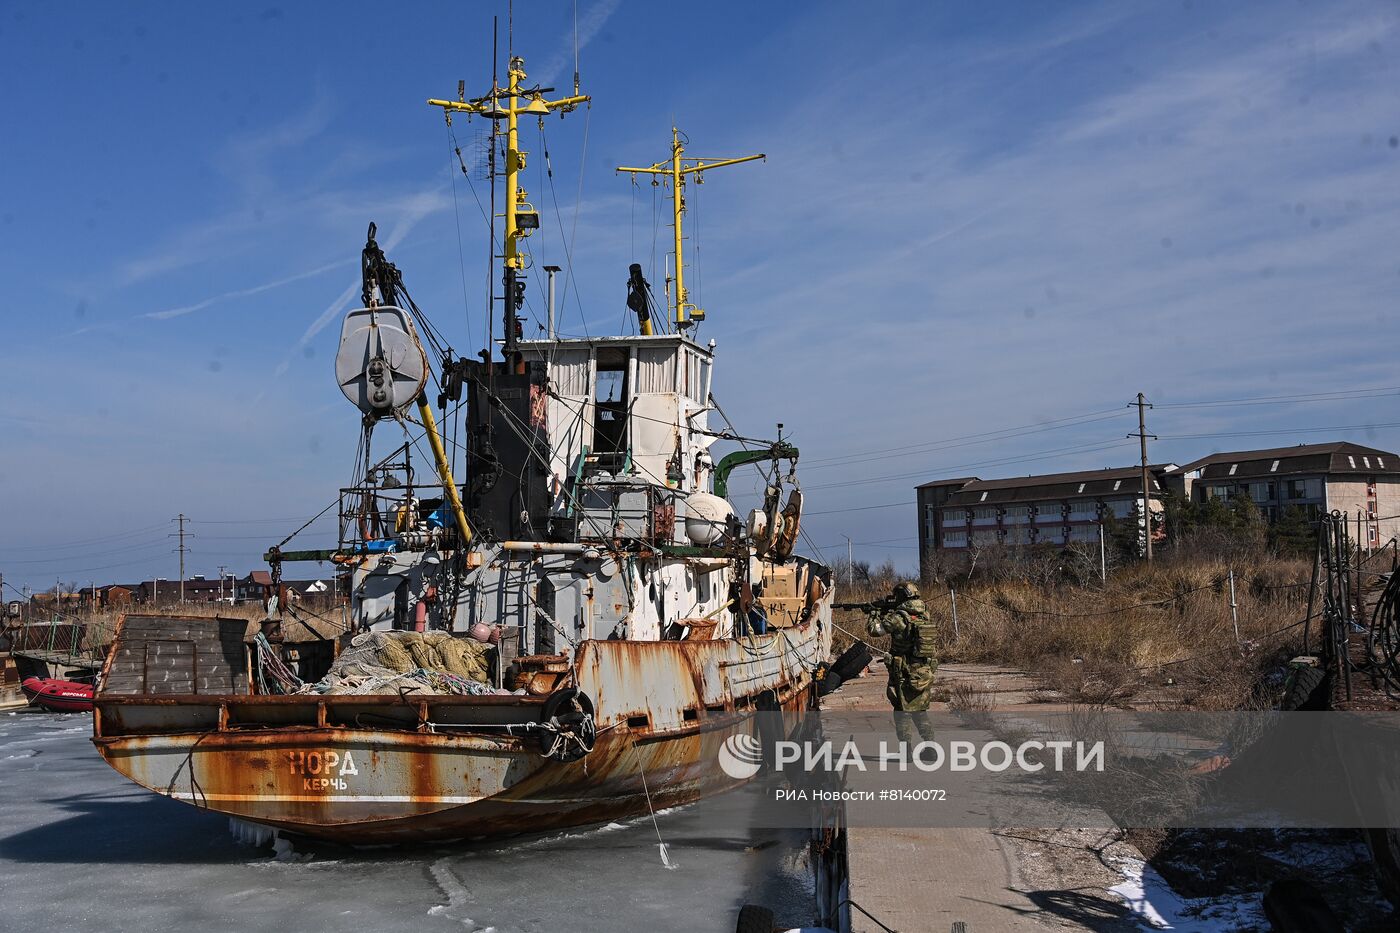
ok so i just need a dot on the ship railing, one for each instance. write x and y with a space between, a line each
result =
376 513
58 642
173 714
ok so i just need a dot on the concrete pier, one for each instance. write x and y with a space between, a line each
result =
926 878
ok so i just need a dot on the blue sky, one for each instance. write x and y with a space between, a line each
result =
973 217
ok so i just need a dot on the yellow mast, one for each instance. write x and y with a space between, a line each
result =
509 103
506 103
676 169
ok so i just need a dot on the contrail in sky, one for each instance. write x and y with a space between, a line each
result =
241 293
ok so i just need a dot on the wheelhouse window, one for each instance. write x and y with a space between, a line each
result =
610 396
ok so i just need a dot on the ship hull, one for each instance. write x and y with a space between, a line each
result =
464 767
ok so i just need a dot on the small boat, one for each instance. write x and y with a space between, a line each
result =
58 696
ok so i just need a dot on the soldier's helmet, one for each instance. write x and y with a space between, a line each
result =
906 591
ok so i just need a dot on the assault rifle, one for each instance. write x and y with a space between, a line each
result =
875 605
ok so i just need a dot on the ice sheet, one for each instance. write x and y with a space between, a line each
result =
86 849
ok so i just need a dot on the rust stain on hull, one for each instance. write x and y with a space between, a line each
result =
663 708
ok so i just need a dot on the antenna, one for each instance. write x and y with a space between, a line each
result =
491 169
507 105
676 169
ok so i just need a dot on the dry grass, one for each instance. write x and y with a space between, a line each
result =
967 697
1103 644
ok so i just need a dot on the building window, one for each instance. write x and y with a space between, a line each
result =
1016 514
955 539
1303 489
1084 510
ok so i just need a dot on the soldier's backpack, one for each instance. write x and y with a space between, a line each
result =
926 638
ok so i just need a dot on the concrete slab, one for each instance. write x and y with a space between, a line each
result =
927 878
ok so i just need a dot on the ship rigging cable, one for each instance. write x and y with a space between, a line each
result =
568 244
461 254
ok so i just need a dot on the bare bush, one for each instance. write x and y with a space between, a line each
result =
967 697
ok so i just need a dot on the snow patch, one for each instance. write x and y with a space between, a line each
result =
1147 894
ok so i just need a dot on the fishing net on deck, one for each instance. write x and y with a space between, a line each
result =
433 663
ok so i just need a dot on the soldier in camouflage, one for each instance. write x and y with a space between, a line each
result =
913 659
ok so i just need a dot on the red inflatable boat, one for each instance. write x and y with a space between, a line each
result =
59 696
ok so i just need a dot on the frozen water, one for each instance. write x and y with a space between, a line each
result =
82 848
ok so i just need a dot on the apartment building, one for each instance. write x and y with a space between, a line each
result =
1337 476
1054 508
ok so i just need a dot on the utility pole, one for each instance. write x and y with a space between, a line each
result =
1103 555
221 582
1142 436
181 549
850 565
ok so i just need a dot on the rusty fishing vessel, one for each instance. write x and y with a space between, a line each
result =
619 620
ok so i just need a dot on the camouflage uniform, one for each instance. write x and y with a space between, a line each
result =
912 662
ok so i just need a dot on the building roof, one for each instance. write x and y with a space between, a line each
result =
310 587
1333 457
1084 484
958 481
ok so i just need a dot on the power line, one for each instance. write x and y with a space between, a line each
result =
1341 395
1314 430
247 521
1055 452
88 556
1098 416
862 508
134 533
933 446
1038 427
